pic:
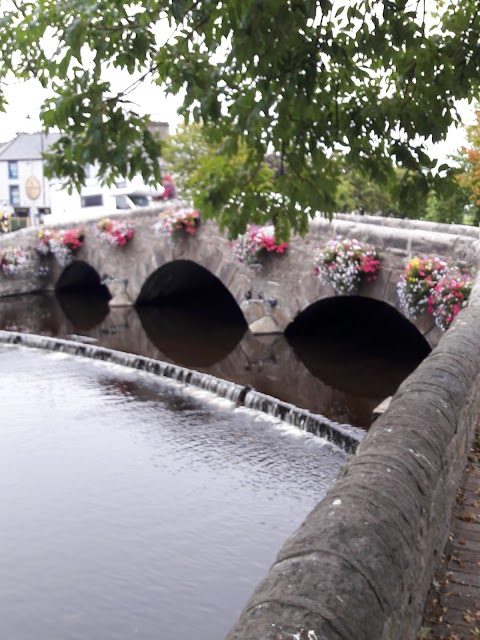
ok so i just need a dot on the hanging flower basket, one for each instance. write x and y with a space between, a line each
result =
417 282
449 296
432 285
181 220
12 260
248 246
62 244
45 239
116 233
345 264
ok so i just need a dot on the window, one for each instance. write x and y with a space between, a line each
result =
122 202
14 193
13 169
92 201
139 200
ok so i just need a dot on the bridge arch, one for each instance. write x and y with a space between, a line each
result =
189 314
80 276
383 294
361 347
82 295
182 277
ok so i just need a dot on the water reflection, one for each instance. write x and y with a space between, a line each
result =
357 344
194 336
320 371
82 309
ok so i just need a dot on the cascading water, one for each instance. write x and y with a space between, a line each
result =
344 436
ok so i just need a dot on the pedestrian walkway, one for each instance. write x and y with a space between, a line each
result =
452 611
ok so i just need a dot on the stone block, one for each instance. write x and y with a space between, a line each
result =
118 291
253 310
266 324
428 244
425 322
376 289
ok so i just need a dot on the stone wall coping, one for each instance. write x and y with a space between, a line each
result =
416 239
407 223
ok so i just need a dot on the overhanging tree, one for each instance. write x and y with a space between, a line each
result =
299 80
469 175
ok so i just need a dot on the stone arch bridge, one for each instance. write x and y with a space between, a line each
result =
269 298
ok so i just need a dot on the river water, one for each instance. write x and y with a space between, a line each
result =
339 365
130 508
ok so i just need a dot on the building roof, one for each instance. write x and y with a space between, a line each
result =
27 146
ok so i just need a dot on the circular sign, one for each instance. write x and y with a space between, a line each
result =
32 187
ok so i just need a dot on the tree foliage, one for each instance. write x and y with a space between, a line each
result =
203 173
358 191
451 207
304 80
183 153
469 177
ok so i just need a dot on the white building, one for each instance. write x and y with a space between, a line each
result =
24 189
23 185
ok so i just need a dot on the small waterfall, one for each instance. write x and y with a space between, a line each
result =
345 436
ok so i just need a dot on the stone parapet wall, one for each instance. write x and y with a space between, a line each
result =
405 241
361 564
407 223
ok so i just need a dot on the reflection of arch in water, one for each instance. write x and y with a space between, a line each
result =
189 315
358 345
31 313
82 296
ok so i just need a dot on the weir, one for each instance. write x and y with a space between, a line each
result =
345 436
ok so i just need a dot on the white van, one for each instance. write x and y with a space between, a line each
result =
95 201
